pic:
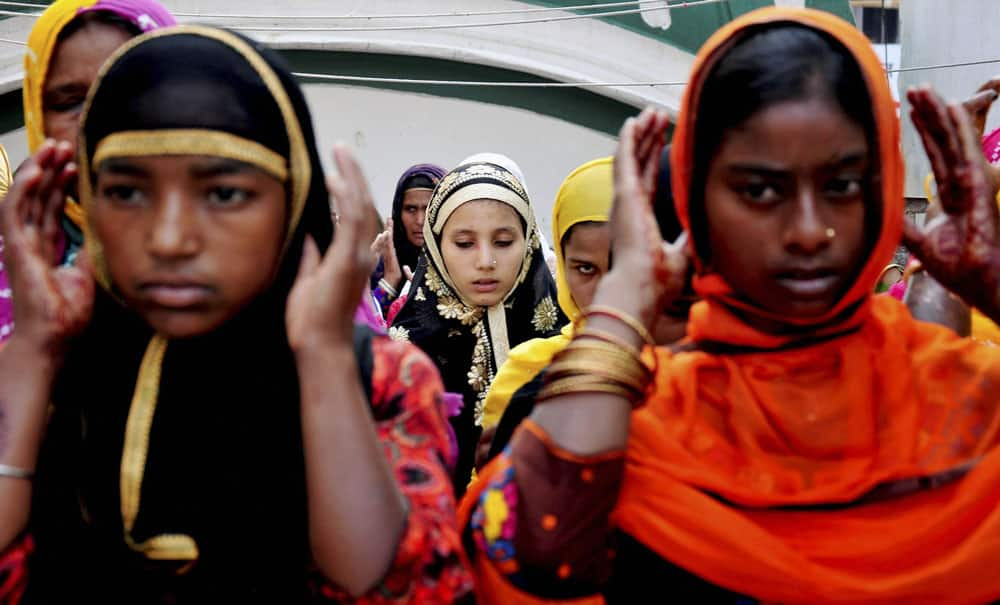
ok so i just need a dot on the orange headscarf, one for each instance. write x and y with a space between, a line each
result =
756 470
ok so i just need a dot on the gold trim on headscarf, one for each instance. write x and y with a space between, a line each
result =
169 546
164 547
190 141
6 176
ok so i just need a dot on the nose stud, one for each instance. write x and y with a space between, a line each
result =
494 263
831 233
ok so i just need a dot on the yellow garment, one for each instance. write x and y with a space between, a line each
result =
41 45
585 196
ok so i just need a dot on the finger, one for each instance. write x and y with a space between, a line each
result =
408 273
944 126
980 102
972 178
53 209
310 258
991 84
939 167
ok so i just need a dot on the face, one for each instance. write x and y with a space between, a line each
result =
585 259
414 210
189 240
785 205
483 247
73 68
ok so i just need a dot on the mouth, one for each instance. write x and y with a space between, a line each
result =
809 284
417 235
485 286
179 295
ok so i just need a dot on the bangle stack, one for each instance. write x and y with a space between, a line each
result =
13 472
387 288
600 362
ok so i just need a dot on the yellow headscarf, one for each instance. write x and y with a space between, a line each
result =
41 44
585 196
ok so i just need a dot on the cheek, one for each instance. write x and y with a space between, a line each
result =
62 126
509 261
581 288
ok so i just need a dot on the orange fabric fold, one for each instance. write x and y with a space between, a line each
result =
755 466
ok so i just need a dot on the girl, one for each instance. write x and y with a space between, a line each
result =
481 288
208 419
814 443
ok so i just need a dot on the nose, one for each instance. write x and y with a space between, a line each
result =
484 258
173 234
806 232
420 217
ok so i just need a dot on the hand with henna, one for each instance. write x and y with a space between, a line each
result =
960 247
978 106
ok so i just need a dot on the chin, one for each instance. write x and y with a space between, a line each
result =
179 325
485 300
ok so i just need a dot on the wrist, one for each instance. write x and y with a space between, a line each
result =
41 354
629 295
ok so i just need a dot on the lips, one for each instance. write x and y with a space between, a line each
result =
809 284
175 294
485 286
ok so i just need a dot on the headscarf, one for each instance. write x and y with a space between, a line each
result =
585 196
149 438
467 342
850 462
146 15
406 253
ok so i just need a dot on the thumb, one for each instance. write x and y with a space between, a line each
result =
407 272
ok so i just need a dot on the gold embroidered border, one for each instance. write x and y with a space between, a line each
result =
190 141
168 547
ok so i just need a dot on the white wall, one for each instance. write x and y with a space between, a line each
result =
937 32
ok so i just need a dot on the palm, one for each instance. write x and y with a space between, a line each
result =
320 307
959 247
50 303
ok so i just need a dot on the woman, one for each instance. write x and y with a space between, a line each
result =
814 444
481 288
217 400
404 236
67 45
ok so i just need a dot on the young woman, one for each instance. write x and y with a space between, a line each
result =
814 443
399 246
481 288
66 47
218 430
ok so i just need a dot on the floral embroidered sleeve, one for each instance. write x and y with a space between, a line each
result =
555 544
14 571
408 408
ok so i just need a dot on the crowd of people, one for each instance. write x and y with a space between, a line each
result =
224 379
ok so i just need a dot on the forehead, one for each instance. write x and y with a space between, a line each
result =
589 238
83 52
417 196
802 133
173 166
483 215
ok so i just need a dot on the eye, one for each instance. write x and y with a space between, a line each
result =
586 269
66 105
760 193
843 187
504 243
464 245
228 196
123 194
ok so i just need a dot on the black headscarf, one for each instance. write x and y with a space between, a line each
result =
223 468
468 342
421 175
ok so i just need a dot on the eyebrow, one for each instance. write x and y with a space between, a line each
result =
65 88
474 232
575 259
122 167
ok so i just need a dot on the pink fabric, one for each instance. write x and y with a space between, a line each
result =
991 146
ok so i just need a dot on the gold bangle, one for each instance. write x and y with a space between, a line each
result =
586 348
610 338
597 372
623 317
570 387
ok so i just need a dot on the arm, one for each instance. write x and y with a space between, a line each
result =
358 510
50 305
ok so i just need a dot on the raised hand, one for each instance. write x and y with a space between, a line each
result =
51 303
960 247
321 305
649 272
385 248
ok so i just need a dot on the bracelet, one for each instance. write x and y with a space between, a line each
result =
610 338
623 317
387 287
14 472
